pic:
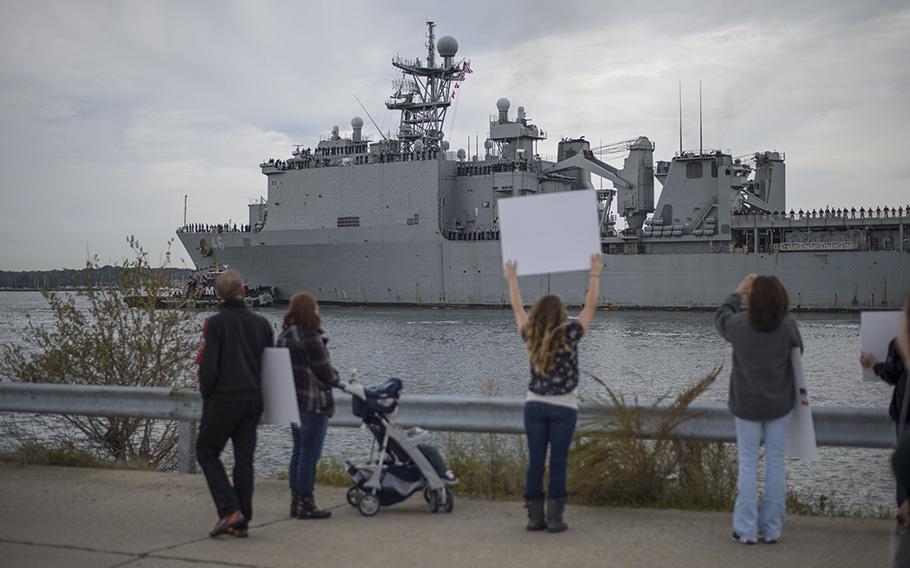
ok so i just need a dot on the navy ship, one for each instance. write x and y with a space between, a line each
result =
404 219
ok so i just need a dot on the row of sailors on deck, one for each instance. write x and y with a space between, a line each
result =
216 228
459 234
827 213
318 162
308 162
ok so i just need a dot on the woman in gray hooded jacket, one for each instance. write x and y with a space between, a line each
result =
762 394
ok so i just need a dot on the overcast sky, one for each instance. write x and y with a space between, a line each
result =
110 112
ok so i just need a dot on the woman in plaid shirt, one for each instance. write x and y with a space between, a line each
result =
314 378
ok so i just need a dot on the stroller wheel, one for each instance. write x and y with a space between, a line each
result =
354 494
434 502
368 505
426 494
450 501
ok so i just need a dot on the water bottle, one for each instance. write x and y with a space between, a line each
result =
354 374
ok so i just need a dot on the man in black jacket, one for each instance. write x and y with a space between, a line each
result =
230 383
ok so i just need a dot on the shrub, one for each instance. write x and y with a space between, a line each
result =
112 335
631 459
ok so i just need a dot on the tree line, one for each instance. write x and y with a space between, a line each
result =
73 277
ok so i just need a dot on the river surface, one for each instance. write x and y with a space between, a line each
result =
644 354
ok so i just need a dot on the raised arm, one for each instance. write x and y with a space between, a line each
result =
587 313
731 306
518 309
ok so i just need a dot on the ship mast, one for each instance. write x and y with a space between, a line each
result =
424 92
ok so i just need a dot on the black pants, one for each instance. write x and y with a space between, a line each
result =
222 421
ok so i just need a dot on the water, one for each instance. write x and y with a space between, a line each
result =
638 354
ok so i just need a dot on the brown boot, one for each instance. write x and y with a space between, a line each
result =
555 508
295 502
306 508
536 521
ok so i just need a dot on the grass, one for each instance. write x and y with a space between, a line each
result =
490 466
65 455
332 472
629 459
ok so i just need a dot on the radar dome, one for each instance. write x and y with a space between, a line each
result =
418 145
447 46
444 145
503 104
487 144
356 122
462 154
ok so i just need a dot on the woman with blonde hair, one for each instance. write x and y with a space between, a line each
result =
762 394
314 378
551 407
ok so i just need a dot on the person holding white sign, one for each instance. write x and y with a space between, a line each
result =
230 362
900 461
893 372
314 378
762 394
551 409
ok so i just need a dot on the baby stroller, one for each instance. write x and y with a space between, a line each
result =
401 466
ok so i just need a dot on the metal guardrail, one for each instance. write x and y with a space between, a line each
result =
845 427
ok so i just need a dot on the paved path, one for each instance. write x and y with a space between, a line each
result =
64 517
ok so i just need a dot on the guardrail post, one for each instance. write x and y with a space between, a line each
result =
186 446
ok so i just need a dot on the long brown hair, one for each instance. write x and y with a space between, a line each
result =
303 311
544 332
768 303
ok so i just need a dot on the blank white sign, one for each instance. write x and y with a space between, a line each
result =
554 232
801 435
279 396
876 330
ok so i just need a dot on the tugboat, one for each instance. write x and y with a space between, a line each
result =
199 293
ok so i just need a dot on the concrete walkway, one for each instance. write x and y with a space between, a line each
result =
64 517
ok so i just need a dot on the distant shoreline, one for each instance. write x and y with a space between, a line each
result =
332 304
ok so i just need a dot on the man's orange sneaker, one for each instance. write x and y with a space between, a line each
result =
224 524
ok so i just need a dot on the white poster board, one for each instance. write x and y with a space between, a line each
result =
801 435
554 232
876 330
278 394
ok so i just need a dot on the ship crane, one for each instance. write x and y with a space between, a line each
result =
586 161
613 148
634 184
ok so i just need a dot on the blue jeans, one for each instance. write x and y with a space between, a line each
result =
548 425
746 519
308 440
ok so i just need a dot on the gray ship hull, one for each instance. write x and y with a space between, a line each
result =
387 266
402 221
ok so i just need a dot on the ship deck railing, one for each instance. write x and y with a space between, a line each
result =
781 221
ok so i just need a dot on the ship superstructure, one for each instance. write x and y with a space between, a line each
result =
404 219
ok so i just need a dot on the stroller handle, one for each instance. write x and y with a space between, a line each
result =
355 389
